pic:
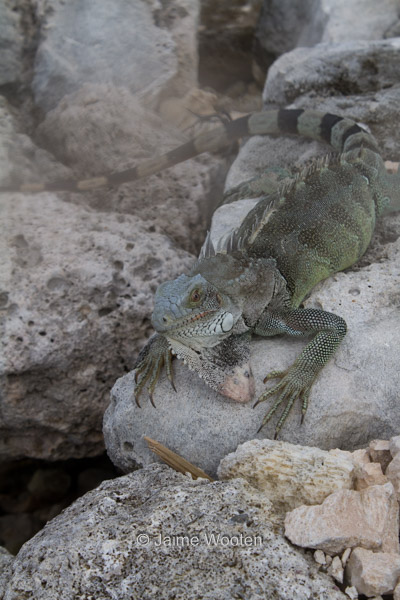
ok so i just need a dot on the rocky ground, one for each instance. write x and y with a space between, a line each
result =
87 88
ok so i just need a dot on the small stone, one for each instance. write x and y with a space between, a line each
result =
348 518
319 557
369 474
336 569
351 592
328 559
345 556
393 474
394 445
379 451
373 573
360 457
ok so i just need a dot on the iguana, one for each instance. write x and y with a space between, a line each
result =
255 280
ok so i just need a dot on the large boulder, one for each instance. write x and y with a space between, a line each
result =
148 48
157 533
76 293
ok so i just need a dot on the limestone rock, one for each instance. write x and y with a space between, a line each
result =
99 41
336 569
103 128
393 474
369 474
373 573
285 25
288 475
351 592
6 560
356 66
361 457
76 289
379 451
139 536
396 592
394 445
346 519
319 557
11 43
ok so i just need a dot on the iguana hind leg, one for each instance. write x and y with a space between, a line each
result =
296 382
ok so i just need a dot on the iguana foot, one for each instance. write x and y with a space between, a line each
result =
149 364
293 385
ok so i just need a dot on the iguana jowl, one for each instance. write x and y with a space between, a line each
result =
254 282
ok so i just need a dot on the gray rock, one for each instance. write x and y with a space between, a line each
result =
6 560
102 128
348 67
131 44
140 536
284 25
77 289
11 45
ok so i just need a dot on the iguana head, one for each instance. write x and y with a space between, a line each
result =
194 312
205 315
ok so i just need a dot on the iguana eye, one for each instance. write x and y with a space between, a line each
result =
195 295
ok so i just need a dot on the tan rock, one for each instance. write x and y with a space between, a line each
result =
345 556
351 592
369 474
336 569
361 457
396 593
289 475
373 573
319 557
348 518
393 474
379 452
394 445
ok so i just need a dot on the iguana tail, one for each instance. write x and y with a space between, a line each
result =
343 134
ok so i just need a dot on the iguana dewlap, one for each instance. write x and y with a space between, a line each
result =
256 279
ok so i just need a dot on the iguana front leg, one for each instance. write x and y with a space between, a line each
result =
149 363
297 380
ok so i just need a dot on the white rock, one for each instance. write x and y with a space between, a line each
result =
373 573
361 457
396 592
348 518
288 475
345 556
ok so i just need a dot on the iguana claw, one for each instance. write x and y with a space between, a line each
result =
294 385
149 364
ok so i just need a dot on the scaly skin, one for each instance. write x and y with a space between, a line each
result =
255 282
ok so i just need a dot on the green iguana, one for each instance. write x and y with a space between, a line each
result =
255 280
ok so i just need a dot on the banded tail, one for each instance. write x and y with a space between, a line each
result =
342 134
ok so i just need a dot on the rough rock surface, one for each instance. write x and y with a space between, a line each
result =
288 475
6 560
369 474
77 288
346 519
393 474
379 451
131 44
349 67
373 573
122 541
103 128
286 24
11 45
